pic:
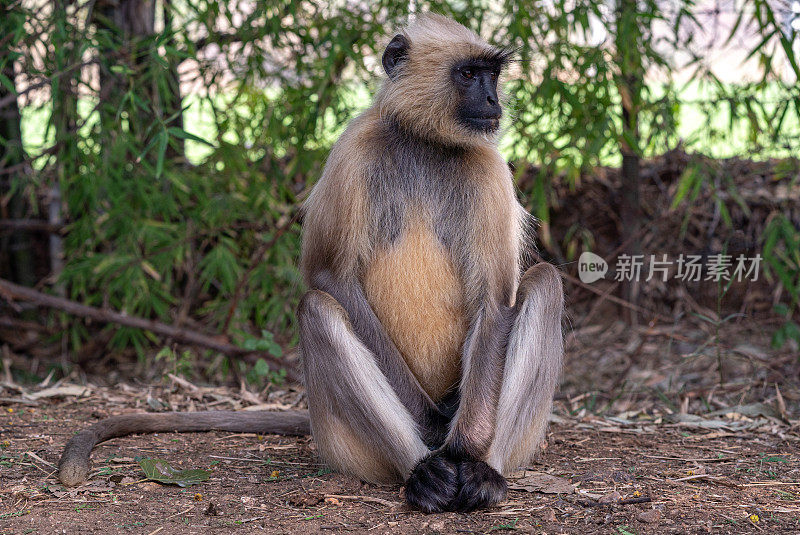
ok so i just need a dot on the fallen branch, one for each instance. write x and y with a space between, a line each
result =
11 291
629 501
7 322
708 478
30 224
370 499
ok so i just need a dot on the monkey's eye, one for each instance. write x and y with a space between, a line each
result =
495 74
467 73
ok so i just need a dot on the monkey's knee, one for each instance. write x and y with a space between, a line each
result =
533 363
319 304
360 425
542 282
322 323
539 307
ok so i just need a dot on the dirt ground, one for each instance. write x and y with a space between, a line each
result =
693 482
655 431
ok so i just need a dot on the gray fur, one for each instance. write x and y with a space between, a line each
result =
382 174
533 364
347 391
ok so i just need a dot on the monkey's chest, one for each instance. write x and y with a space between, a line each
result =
415 291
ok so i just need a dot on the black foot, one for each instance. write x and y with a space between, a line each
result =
441 483
432 484
479 486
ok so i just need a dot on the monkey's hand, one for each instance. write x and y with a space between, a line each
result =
479 486
441 482
432 484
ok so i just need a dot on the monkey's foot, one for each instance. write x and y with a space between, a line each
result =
441 483
433 484
479 486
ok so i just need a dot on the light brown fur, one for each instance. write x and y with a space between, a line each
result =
336 210
416 293
340 445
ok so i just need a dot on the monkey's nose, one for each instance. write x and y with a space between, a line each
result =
491 100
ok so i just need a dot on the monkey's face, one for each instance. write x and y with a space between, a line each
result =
442 83
475 81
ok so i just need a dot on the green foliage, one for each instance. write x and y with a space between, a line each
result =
163 472
265 344
581 97
782 255
180 363
569 95
267 88
262 373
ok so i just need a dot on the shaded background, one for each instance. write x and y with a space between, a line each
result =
153 156
155 153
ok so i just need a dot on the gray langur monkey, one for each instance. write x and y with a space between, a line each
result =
427 358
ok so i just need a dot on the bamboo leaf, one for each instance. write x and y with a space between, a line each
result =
183 134
161 471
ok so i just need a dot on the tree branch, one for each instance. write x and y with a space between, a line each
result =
29 224
11 291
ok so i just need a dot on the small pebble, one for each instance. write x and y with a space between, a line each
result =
437 525
649 517
611 497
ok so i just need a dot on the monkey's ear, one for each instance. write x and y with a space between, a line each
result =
396 52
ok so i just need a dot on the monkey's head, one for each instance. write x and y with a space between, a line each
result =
442 82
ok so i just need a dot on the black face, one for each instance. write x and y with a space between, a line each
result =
476 79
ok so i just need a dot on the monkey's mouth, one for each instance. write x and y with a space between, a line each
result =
483 124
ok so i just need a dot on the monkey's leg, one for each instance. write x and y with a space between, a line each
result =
349 295
360 425
501 418
533 364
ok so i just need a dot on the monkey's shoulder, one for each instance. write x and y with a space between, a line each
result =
376 171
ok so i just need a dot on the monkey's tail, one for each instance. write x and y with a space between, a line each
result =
74 464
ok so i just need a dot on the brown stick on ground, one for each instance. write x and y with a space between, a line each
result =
11 291
629 501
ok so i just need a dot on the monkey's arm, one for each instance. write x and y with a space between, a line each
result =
535 320
74 464
457 476
531 360
370 331
483 362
